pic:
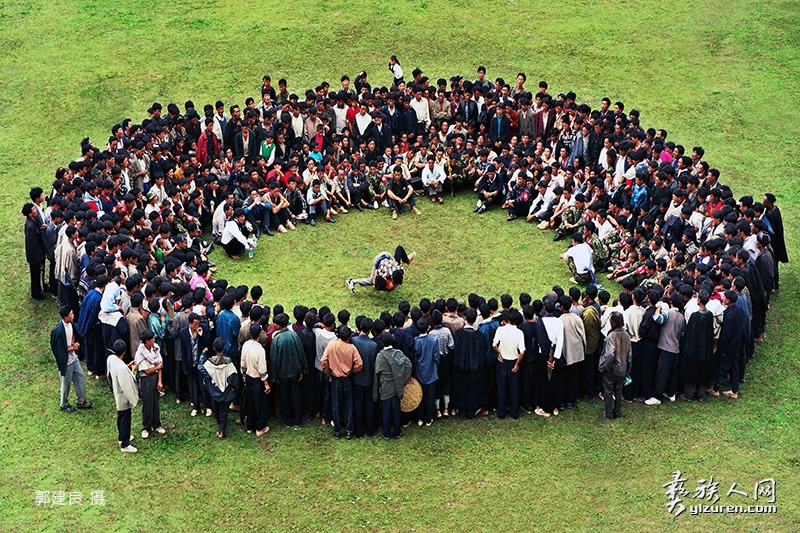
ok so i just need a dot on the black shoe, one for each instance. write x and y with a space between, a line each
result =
481 209
313 222
39 297
360 207
331 220
349 435
268 231
85 405
558 237
68 409
476 209
336 435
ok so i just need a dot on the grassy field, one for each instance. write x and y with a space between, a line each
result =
721 74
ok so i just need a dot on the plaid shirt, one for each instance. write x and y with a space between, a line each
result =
444 338
387 266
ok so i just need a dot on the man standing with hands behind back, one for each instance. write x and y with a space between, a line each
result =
509 343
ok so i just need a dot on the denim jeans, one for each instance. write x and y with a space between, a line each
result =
73 375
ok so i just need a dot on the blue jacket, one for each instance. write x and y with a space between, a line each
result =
216 394
427 348
90 309
228 326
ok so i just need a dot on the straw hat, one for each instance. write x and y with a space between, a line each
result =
412 396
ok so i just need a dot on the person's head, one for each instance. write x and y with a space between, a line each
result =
344 333
255 331
66 313
148 338
616 320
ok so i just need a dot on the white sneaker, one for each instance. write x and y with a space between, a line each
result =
208 412
652 401
129 449
194 412
385 203
130 439
351 285
541 412
375 205
670 398
145 433
160 430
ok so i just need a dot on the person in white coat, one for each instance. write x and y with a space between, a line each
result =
126 393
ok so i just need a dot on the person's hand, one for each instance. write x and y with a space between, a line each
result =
300 378
499 358
160 387
266 387
516 367
551 365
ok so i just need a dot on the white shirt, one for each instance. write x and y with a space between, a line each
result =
582 255
70 336
436 175
422 109
510 341
604 229
232 232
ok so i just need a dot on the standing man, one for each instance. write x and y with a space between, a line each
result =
34 249
509 343
149 363
65 348
339 361
221 380
194 340
731 343
256 387
126 393
773 214
392 373
363 405
288 362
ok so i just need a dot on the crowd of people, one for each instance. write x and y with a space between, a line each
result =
122 230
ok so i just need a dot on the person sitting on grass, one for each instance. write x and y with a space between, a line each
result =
400 194
234 240
432 178
490 190
318 203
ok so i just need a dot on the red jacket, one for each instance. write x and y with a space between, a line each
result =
202 147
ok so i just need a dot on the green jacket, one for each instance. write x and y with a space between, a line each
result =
286 356
392 373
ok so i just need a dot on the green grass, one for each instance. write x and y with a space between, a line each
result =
722 74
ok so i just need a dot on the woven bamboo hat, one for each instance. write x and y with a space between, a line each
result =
412 396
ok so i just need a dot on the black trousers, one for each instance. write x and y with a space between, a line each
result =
612 394
124 428
255 404
151 410
323 395
527 385
37 279
589 374
234 247
197 392
220 410
729 365
491 384
507 388
391 417
342 404
649 364
572 375
291 401
634 390
363 411
667 373
427 408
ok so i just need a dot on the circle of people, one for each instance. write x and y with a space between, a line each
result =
122 232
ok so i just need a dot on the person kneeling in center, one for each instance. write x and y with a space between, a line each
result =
579 261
